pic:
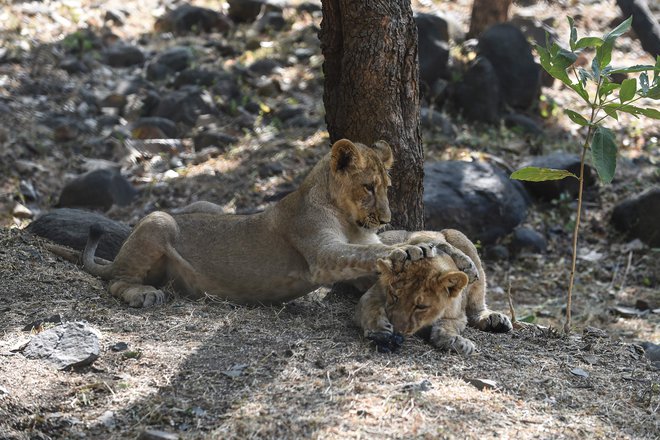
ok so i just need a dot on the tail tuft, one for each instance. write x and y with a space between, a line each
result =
95 232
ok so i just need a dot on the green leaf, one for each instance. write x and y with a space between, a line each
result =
584 75
607 88
611 112
604 53
633 69
627 108
531 319
603 153
628 89
619 30
577 118
650 112
644 83
573 37
653 93
544 57
594 42
595 69
536 174
580 91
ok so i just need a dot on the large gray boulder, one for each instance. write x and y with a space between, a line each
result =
638 216
476 198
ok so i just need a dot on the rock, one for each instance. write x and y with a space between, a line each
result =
287 112
637 216
534 29
115 16
628 312
123 55
645 24
477 96
309 7
245 11
271 21
433 49
72 344
481 384
527 240
38 323
579 372
193 19
523 123
154 434
21 211
496 252
213 139
73 64
70 227
651 351
552 189
98 189
119 346
433 119
475 197
154 127
185 105
511 56
264 66
169 62
199 77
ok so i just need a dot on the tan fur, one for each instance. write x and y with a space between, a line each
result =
433 292
321 233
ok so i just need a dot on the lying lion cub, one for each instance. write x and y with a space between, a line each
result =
430 294
323 232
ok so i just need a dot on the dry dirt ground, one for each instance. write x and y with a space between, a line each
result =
211 369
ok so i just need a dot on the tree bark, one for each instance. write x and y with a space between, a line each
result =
372 90
486 13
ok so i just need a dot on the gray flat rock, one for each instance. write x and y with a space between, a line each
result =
72 344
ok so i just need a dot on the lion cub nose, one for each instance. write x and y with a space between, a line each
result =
385 217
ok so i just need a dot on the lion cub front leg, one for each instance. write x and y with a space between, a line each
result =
370 315
446 331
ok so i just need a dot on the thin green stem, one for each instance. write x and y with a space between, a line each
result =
576 229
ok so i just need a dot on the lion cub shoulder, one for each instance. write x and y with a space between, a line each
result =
430 296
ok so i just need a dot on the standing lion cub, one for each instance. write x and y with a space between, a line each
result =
430 294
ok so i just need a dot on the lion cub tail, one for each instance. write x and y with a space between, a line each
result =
100 270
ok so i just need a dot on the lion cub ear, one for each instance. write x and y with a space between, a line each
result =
345 155
451 282
384 153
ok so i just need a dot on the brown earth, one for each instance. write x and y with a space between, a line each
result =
212 369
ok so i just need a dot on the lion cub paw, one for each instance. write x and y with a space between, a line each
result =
457 344
144 296
386 342
411 252
495 322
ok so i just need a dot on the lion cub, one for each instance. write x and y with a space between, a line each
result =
431 297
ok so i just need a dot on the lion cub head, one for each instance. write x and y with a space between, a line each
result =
359 181
418 292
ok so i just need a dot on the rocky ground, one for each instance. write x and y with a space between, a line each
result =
227 107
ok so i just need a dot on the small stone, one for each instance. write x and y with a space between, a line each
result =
123 55
482 384
38 323
73 344
119 346
628 312
235 370
107 419
593 332
651 351
590 359
424 385
154 434
21 211
579 372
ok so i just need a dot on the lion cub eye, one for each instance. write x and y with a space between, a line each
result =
421 306
369 188
395 299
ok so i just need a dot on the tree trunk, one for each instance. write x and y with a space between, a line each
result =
486 13
372 90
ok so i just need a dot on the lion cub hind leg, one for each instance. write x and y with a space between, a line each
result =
142 261
137 295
